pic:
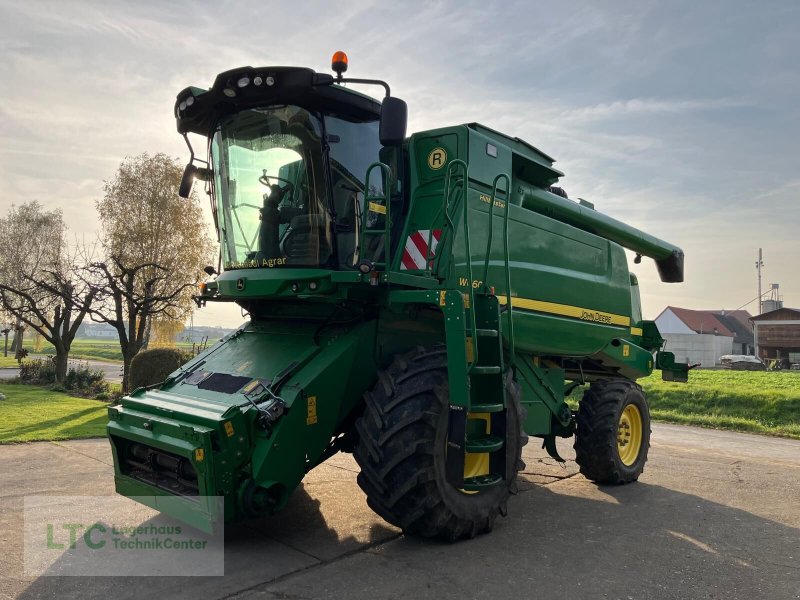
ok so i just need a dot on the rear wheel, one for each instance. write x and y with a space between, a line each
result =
613 433
402 450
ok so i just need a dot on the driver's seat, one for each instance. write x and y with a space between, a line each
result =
306 241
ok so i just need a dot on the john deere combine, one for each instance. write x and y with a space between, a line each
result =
426 303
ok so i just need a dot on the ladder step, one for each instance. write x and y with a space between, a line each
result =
481 482
490 333
491 370
486 408
486 443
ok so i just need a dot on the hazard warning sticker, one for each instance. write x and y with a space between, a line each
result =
416 248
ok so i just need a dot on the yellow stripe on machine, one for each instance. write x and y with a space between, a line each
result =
565 310
637 331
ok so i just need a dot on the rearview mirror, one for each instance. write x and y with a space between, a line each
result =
187 181
190 173
394 117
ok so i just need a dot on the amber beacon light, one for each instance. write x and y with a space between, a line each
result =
339 63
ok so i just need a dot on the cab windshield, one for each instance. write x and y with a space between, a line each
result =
281 174
270 189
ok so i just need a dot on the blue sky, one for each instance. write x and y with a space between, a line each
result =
678 117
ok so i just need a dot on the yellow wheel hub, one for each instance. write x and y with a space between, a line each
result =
629 434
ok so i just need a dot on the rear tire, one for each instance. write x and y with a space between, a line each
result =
401 452
608 448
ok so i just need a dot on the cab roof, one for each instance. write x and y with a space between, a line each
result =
198 110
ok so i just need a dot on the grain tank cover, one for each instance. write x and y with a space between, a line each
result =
528 162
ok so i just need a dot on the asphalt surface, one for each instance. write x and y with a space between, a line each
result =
111 371
715 515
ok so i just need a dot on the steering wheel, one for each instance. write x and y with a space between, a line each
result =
288 187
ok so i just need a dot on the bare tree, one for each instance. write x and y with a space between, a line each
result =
128 296
52 303
6 328
40 286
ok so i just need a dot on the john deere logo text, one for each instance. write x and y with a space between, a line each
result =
437 158
597 317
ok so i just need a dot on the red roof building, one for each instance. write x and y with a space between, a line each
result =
705 335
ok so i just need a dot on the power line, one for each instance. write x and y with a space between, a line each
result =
753 300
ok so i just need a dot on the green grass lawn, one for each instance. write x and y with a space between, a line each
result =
7 362
756 401
759 402
31 413
84 349
94 349
752 401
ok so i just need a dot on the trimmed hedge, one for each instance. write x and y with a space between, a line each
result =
150 367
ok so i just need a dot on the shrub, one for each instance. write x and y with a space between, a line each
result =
154 366
80 379
84 380
38 371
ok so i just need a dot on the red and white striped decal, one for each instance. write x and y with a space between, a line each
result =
416 249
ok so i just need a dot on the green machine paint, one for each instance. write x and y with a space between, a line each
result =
425 302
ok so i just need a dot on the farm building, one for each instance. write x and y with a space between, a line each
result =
102 331
738 322
702 336
777 334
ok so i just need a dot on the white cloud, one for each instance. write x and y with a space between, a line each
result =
645 106
686 132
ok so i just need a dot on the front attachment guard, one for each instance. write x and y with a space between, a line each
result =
670 370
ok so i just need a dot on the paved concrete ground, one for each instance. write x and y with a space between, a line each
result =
111 371
716 515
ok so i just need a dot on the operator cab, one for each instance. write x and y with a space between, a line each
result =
288 153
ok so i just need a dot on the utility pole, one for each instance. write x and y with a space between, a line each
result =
759 264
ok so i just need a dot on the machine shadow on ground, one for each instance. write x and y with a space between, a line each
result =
637 541
256 551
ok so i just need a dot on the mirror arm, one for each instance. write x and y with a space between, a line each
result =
192 157
367 81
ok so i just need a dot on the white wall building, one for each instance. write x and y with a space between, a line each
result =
700 336
694 348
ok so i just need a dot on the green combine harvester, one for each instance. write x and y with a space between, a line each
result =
426 303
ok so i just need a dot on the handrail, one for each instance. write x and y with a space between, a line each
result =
507 256
433 259
491 221
371 206
506 253
453 168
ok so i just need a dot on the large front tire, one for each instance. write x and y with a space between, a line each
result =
613 433
402 445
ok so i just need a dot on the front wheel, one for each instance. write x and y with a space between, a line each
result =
402 452
613 433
